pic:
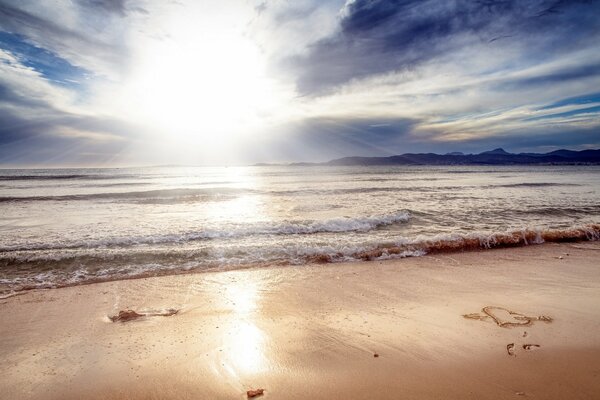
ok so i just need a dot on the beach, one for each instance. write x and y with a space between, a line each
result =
392 329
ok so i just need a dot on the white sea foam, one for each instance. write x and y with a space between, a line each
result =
303 227
101 265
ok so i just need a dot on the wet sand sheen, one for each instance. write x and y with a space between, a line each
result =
313 331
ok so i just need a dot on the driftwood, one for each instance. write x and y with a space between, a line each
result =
130 315
255 392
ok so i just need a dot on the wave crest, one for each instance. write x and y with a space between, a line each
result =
478 242
336 225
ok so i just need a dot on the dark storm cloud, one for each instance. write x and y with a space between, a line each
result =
379 36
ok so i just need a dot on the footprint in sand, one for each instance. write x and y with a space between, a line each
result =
503 317
510 349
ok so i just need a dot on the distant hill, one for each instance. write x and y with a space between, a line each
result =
493 157
498 151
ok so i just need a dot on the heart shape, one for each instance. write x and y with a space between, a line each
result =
504 317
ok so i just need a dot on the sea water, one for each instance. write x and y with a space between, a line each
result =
69 226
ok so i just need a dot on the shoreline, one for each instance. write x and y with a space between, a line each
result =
314 330
416 248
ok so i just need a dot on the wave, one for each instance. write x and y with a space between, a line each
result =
359 190
180 195
533 184
148 196
453 243
305 227
68 269
62 177
556 211
400 189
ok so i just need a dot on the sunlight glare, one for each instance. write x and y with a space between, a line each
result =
245 349
204 84
244 345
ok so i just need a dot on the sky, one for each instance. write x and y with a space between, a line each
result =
226 82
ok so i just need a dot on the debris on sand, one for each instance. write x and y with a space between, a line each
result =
376 355
130 315
475 316
510 349
124 316
255 392
530 346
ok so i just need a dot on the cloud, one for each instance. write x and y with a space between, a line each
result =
364 77
48 64
381 36
119 7
564 75
40 123
90 35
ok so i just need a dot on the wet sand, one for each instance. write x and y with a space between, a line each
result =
313 332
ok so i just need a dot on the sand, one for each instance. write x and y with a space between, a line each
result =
313 332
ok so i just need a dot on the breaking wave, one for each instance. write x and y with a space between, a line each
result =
336 225
468 242
68 268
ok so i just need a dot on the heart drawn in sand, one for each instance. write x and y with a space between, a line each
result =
504 317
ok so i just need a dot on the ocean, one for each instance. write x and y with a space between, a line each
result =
61 227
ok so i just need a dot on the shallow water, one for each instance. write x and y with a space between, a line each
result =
60 227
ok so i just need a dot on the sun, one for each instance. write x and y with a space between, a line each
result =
205 82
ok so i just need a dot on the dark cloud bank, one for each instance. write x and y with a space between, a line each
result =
379 36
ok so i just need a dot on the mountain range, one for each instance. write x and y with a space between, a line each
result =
493 157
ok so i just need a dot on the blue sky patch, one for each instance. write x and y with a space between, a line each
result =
586 99
52 67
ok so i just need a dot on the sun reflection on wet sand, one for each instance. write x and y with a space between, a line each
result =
243 342
244 349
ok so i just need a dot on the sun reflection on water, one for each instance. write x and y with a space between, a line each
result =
239 203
